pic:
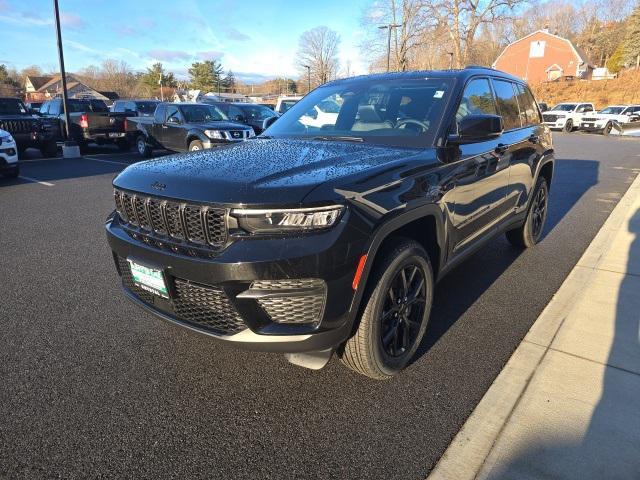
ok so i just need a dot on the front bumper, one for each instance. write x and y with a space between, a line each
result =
8 156
328 256
557 125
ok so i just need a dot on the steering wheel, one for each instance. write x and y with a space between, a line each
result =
410 121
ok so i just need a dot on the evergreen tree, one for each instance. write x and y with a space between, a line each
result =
632 40
229 82
150 80
615 62
206 75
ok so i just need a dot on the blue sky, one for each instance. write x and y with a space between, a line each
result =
255 39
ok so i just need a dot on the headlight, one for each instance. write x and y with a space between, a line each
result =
251 133
285 220
216 134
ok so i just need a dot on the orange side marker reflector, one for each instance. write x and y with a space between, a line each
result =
356 277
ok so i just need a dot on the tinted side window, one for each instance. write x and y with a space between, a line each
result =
477 99
44 108
234 112
130 107
159 115
528 110
507 104
55 107
118 107
587 108
173 111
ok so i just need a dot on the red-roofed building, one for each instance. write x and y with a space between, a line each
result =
542 57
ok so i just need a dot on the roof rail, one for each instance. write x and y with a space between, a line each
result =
478 66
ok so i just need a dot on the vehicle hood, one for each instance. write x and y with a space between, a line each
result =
221 125
258 171
19 117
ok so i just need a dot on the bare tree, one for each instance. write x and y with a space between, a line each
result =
463 18
318 48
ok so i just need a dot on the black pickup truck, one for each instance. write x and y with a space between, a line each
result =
311 240
183 127
91 122
27 129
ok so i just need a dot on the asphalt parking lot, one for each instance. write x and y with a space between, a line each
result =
93 386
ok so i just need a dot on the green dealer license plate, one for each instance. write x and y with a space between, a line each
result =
149 279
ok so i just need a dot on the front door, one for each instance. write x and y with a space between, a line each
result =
172 131
481 174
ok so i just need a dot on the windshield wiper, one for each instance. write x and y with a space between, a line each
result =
339 138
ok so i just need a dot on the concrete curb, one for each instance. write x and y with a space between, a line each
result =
467 453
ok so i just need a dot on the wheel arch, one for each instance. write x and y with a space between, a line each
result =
425 225
195 135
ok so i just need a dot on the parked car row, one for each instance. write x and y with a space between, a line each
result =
569 117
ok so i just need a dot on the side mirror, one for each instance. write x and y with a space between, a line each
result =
173 120
239 118
476 128
267 122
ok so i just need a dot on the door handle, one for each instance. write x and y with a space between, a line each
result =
534 138
501 148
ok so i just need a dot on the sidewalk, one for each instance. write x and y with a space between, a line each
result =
567 404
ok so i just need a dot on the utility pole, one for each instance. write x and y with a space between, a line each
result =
450 60
308 77
70 149
161 93
388 28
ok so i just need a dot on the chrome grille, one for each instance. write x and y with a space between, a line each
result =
183 223
549 117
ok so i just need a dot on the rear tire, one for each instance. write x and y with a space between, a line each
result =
531 230
141 146
396 312
49 150
196 146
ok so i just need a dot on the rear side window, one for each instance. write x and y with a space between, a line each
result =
118 107
159 115
528 110
44 108
507 104
476 100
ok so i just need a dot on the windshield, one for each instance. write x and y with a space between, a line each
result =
147 108
565 107
612 110
256 112
202 113
391 112
286 105
11 106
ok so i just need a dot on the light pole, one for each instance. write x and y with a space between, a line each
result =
308 77
388 28
70 149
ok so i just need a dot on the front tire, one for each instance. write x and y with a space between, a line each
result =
396 312
196 146
568 127
531 230
607 128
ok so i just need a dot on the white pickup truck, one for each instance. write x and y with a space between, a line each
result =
606 119
566 116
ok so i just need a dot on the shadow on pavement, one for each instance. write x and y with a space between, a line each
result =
465 284
608 446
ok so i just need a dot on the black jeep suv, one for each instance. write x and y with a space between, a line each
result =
314 239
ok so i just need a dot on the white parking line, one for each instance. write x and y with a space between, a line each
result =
104 161
35 180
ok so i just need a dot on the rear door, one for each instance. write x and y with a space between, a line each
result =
529 151
481 176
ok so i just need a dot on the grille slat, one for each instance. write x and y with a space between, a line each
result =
195 225
174 222
141 212
216 227
156 217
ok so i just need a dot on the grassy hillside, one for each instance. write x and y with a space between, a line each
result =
621 90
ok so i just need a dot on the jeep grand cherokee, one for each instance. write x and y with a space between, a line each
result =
315 239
